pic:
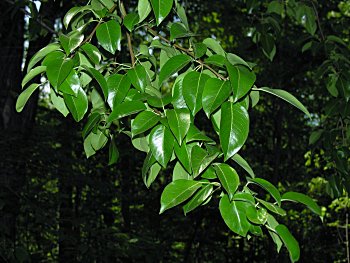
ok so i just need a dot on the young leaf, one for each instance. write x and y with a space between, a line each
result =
161 9
193 86
109 35
173 65
228 178
179 122
161 143
214 94
304 199
177 192
78 105
24 96
270 188
234 128
199 198
242 79
289 241
143 122
287 97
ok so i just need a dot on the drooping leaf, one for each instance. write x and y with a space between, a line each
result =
193 86
161 9
287 97
109 35
214 94
143 8
78 105
24 96
272 207
242 80
94 73
152 174
304 199
236 60
289 241
92 122
199 198
173 65
234 215
244 164
177 192
270 188
144 121
183 153
113 153
272 223
98 140
58 103
161 143
179 122
234 128
228 177
32 73
126 109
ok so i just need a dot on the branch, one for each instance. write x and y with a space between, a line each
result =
131 51
39 21
318 20
200 62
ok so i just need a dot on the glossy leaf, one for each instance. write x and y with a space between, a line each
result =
242 80
178 30
57 68
234 128
272 207
161 143
304 199
130 20
113 153
178 100
161 9
199 49
32 74
173 65
109 35
92 122
58 103
228 177
24 96
214 94
272 223
289 241
71 42
183 154
234 215
78 105
92 52
152 174
236 60
143 8
215 46
244 164
193 86
199 198
144 121
126 109
200 160
179 172
217 60
139 78
100 80
42 53
177 192
72 13
98 140
194 134
287 97
270 188
118 87
71 84
179 122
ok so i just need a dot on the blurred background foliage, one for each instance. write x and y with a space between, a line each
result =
57 206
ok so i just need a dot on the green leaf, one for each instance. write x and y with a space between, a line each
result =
315 136
182 15
78 105
228 178
200 160
107 3
57 68
113 153
289 241
236 60
72 13
58 103
178 30
272 223
118 87
242 79
98 140
71 42
255 97
214 94
268 45
71 84
178 100
141 143
100 80
173 65
177 192
92 52
131 20
139 78
273 208
24 96
42 53
32 73
152 174
199 50
109 35
89 151
126 109
343 85
215 46
270 188
183 154
180 173
161 143
217 60
234 215
244 164
287 97
93 121
143 8
161 9
194 134
179 122
144 121
234 128
256 216
193 86
199 198
304 199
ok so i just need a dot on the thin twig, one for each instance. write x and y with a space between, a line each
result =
37 19
154 33
318 20
131 51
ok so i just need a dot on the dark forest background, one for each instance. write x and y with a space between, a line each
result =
58 206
